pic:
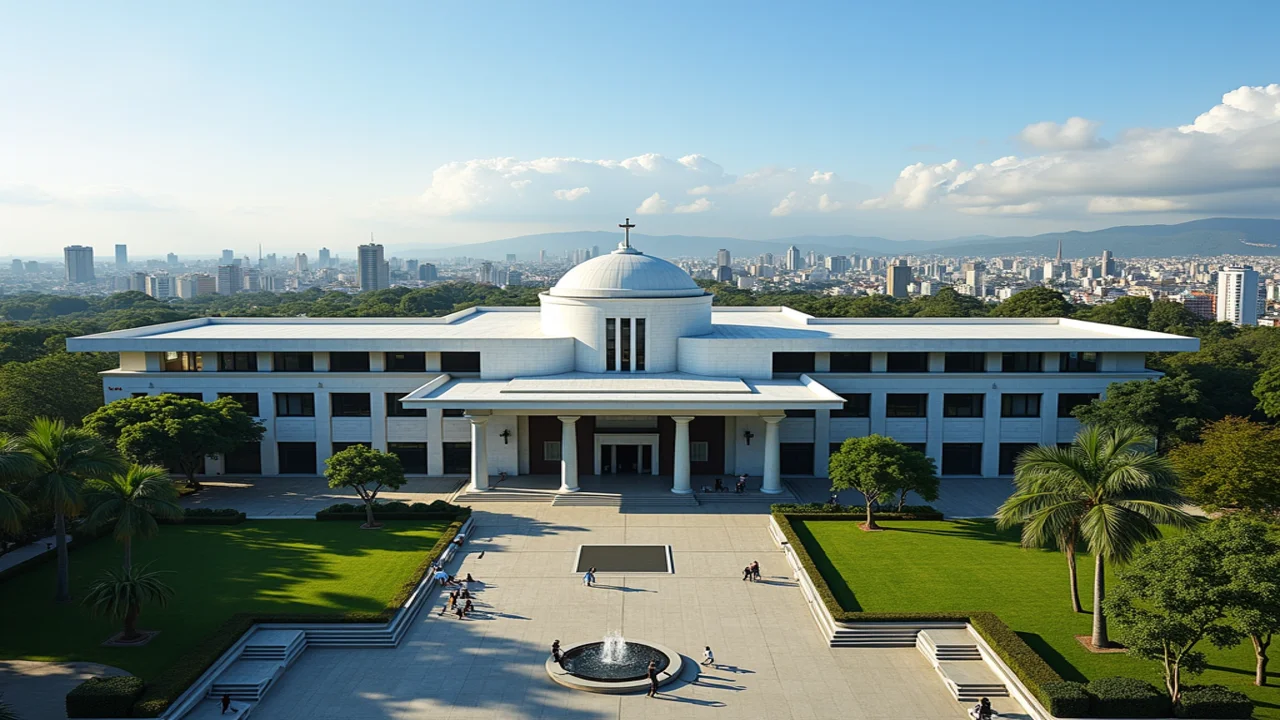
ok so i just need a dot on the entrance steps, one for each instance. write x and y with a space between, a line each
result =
623 502
747 498
887 636
954 654
947 645
469 497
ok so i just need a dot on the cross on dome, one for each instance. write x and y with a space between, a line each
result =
625 245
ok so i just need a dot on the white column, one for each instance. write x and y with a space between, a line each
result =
821 442
631 332
991 434
479 452
1049 418
933 428
680 482
772 455
568 453
378 420
324 430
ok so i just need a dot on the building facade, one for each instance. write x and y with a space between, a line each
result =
79 263
1238 301
625 368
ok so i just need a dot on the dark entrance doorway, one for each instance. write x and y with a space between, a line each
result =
626 459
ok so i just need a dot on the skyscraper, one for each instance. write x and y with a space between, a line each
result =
16 267
975 277
230 279
172 260
227 257
122 256
300 263
374 271
723 259
1238 295
79 262
793 261
427 272
899 277
161 286
322 260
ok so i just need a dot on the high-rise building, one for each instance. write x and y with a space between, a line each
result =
230 279
375 273
514 278
427 272
79 261
138 281
511 257
172 260
1238 295
542 257
793 261
837 264
322 259
723 273
1108 265
898 278
32 266
411 267
122 257
975 277
161 286
227 257
252 280
16 267
300 263
723 259
486 273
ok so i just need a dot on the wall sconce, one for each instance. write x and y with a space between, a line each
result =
505 435
151 385
748 435
319 384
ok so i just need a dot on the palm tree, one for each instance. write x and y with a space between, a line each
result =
63 458
1109 489
14 464
122 593
132 500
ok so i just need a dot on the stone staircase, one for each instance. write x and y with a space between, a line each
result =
497 495
624 502
266 654
746 498
955 655
879 635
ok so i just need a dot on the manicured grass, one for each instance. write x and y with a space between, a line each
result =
967 565
267 566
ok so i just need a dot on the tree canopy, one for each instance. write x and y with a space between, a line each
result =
878 467
1170 408
367 471
1233 467
1035 302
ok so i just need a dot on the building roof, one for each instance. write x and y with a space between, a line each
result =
626 273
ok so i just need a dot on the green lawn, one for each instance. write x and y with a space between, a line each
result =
966 565
269 566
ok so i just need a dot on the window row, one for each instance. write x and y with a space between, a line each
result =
624 344
794 363
955 405
966 458
299 458
456 362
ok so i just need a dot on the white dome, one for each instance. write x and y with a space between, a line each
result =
626 273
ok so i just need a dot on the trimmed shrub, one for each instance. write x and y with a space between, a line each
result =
437 510
109 697
1213 701
1066 699
1127 698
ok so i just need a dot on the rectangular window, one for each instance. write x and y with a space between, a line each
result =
184 362
295 405
413 456
967 405
246 459
297 458
406 362
639 344
453 412
348 362
338 447
1017 405
551 451
855 406
611 344
796 458
457 458
1078 362
851 362
1009 453
918 447
293 362
906 405
800 413
396 409
460 362
1068 402
969 362
1012 362
248 401
698 451
238 362
793 363
625 338
962 458
349 404
913 362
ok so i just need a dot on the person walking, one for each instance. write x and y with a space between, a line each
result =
226 703
708 658
589 579
652 673
746 573
555 651
755 571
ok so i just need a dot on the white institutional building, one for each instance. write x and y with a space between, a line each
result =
625 369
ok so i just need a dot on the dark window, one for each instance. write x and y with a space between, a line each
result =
138 394
1021 362
185 361
406 362
186 395
295 405
297 458
340 446
349 404
800 413
238 362
293 362
918 447
457 458
1009 453
793 363
1078 362
639 344
611 344
1067 402
413 456
246 459
625 364
965 362
906 406
796 458
396 409
348 362
248 401
968 405
1019 405
962 458
851 362
833 448
856 406
463 362
907 362
453 412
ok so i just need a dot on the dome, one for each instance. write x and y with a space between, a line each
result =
626 273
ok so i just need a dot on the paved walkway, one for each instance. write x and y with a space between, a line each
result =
773 661
38 690
28 551
303 497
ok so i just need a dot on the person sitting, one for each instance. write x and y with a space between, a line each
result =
741 487
982 711
555 651
470 579
719 485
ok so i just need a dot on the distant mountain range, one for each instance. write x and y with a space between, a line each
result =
1205 238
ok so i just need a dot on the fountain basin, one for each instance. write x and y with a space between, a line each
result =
581 667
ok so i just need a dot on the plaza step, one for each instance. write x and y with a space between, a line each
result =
733 498
587 499
888 637
512 495
211 708
246 680
947 645
277 645
971 681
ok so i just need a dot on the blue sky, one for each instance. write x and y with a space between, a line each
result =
187 127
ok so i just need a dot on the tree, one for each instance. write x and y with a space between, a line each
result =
122 593
877 467
1036 302
1179 591
63 458
1109 489
1253 563
1173 317
132 500
175 432
62 385
1170 408
1129 311
1233 467
1267 391
14 464
366 471
946 303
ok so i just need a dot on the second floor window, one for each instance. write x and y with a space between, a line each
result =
1019 406
855 406
460 362
963 405
1078 362
907 362
966 362
293 362
1012 362
348 362
295 405
793 363
350 404
406 362
238 361
1068 402
851 362
906 405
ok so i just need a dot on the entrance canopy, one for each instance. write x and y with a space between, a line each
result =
630 392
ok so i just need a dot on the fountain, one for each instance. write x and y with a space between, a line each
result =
613 665
614 650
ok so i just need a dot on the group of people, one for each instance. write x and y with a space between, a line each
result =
739 487
458 601
751 572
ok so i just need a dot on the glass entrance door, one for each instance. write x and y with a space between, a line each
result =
619 459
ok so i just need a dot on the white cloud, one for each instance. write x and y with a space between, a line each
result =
821 178
826 204
697 206
1133 205
652 205
1244 108
700 190
571 195
1076 133
785 206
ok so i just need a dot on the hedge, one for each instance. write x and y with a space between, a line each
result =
161 692
1067 699
437 510
822 511
1127 698
1213 701
105 697
206 516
